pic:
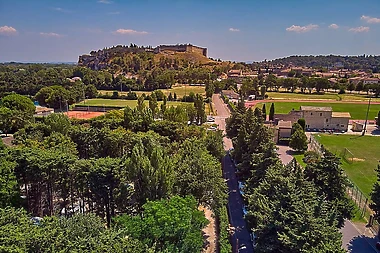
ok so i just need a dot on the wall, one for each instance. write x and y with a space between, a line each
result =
317 119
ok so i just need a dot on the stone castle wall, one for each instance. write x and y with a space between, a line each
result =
181 48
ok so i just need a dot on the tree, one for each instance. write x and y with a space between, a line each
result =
263 90
271 112
58 122
302 123
175 96
298 139
264 111
153 104
19 103
288 215
167 225
375 196
140 103
330 181
6 123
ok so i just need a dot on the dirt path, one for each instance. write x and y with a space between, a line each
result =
209 231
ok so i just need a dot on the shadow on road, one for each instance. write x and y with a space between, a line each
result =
362 244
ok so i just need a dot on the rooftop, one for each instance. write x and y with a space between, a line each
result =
316 108
285 124
341 115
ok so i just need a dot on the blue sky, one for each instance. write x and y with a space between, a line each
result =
239 30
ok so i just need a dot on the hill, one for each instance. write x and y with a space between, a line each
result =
366 62
132 59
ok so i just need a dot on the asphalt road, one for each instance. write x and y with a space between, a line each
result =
355 241
235 201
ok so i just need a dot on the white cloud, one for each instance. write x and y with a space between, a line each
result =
234 30
56 35
333 26
359 29
302 29
61 10
370 20
104 1
7 30
129 31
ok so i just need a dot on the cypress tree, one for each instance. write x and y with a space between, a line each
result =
271 112
264 112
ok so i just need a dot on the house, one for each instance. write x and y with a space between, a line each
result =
42 111
284 129
318 118
324 118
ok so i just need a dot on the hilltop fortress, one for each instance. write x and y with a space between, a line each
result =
181 48
99 59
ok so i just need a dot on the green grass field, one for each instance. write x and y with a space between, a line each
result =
357 111
326 96
179 90
366 151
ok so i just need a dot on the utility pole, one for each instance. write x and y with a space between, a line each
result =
366 117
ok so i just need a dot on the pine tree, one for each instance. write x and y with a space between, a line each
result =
271 112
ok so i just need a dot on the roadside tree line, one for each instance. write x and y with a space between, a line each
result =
290 209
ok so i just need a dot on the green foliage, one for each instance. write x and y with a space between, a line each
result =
375 196
298 139
271 112
6 116
19 103
288 215
80 233
168 225
302 123
199 174
330 180
58 122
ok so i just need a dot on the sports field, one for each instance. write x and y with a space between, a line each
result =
361 162
357 110
326 96
179 90
121 102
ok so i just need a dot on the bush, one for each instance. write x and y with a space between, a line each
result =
341 91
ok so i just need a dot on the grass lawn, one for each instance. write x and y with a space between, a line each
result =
299 157
357 111
179 90
366 150
326 96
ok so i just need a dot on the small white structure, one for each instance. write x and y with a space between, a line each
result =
42 111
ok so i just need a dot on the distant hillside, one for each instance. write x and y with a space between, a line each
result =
133 59
348 62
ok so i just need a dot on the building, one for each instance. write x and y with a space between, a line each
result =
181 48
318 118
357 126
42 111
325 118
284 129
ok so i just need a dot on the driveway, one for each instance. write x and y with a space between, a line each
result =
285 153
235 201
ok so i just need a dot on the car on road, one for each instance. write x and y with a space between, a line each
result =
210 119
